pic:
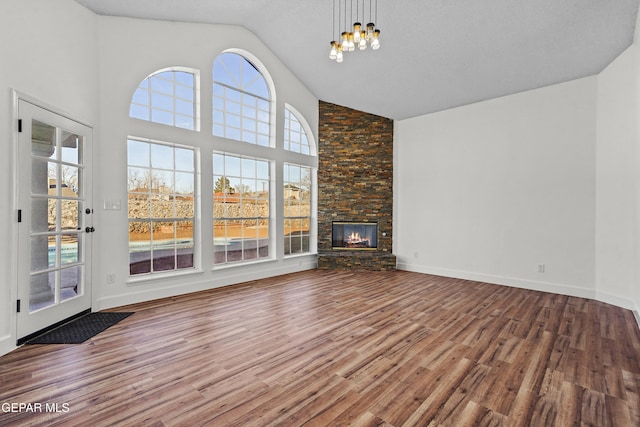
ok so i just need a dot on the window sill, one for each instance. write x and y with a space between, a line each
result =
149 277
302 255
243 264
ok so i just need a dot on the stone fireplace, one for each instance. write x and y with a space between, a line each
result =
355 190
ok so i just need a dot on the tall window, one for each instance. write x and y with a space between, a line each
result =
241 100
241 208
161 206
168 97
295 137
165 228
297 208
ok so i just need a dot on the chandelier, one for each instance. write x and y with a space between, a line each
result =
357 35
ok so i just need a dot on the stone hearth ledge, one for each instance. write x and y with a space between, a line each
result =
357 260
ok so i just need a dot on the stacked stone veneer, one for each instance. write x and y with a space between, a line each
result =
355 183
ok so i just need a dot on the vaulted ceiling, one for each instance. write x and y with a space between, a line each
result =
435 54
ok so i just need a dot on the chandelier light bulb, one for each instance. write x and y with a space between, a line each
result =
363 41
370 29
339 55
375 43
345 41
356 32
333 53
352 45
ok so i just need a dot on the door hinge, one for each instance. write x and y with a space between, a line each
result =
19 215
18 306
19 125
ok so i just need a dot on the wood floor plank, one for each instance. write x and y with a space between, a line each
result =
452 412
338 348
594 408
632 388
571 405
477 415
445 386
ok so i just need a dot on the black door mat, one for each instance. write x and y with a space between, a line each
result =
81 329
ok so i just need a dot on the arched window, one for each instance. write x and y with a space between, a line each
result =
170 97
166 233
241 100
295 134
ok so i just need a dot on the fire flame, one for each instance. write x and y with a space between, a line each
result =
354 238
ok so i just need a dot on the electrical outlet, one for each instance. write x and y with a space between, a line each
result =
416 254
111 277
541 268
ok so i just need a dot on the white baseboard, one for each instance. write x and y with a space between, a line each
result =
227 277
7 344
615 300
556 288
636 314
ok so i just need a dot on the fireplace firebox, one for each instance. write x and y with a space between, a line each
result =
348 235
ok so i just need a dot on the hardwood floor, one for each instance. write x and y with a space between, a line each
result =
341 348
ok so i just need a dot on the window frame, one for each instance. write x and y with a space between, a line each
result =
175 99
305 131
287 205
152 220
268 198
263 72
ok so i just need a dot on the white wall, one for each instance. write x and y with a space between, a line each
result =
616 182
48 52
548 176
491 190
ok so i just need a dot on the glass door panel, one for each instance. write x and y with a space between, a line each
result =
53 173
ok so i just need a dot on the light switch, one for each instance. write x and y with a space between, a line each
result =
112 205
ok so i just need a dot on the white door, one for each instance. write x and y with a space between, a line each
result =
55 218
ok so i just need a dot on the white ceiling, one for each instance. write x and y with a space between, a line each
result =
435 54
